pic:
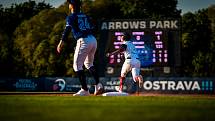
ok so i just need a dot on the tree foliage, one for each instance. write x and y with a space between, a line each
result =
10 19
36 46
28 44
198 44
36 39
137 9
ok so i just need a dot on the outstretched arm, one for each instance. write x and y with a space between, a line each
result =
121 49
114 52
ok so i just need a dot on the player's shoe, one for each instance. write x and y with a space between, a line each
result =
118 89
99 89
82 92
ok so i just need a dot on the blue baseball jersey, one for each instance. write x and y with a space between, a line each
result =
79 24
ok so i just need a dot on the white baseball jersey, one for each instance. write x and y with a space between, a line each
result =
131 61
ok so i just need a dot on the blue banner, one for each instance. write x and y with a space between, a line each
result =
171 85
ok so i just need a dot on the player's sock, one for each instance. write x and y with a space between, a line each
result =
92 70
82 79
121 80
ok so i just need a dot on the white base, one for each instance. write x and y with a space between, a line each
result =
115 94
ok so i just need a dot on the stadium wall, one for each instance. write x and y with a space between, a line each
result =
163 85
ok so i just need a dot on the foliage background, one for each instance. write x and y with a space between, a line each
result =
30 32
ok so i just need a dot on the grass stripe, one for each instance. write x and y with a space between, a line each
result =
130 108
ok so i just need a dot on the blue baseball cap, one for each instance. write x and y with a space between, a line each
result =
75 2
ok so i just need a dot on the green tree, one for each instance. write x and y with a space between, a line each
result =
138 9
10 19
32 42
36 38
149 9
196 44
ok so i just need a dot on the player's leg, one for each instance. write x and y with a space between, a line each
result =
89 64
136 73
98 86
125 69
139 79
84 90
121 81
79 57
136 70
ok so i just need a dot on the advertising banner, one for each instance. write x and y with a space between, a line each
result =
167 85
21 84
179 85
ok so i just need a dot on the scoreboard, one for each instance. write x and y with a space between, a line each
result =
151 47
157 42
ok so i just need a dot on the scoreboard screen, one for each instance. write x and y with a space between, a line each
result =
156 41
151 47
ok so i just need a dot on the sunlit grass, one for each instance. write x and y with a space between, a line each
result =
129 108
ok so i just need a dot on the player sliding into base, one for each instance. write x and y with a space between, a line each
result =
131 64
79 24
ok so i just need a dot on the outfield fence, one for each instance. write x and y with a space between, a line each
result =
166 85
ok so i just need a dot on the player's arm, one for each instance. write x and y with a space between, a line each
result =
60 46
121 49
112 53
65 35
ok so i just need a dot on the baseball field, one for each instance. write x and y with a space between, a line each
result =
116 108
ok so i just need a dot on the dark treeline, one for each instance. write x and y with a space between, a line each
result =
11 18
29 33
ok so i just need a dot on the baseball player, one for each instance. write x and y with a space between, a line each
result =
131 63
79 24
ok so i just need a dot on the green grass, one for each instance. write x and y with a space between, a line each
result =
130 108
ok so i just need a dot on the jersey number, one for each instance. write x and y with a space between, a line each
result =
83 23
